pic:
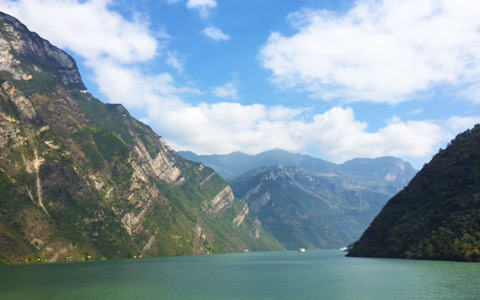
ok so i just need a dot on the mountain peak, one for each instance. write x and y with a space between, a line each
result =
25 55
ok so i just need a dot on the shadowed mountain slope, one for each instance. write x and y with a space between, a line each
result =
437 216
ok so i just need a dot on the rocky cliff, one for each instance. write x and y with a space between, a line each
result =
80 179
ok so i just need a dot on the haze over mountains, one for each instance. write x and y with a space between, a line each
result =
234 164
308 202
80 179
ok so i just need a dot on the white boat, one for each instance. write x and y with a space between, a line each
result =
343 249
301 250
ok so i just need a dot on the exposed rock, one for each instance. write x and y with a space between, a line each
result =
162 166
223 199
238 220
16 40
206 178
150 243
23 104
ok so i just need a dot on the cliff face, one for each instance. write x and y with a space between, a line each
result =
80 179
437 216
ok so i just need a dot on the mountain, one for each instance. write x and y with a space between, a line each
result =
305 209
437 216
235 164
308 202
230 166
80 179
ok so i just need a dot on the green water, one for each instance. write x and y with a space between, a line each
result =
274 275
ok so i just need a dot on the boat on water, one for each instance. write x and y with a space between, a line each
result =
301 250
343 249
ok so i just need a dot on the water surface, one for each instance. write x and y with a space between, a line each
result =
271 275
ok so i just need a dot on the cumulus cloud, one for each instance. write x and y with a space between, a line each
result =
343 137
88 28
227 127
381 51
226 91
203 6
215 34
219 127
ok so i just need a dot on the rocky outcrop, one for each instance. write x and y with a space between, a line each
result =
223 199
241 216
23 104
18 42
163 165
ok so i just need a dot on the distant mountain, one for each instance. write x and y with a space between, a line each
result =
309 202
437 216
235 164
80 179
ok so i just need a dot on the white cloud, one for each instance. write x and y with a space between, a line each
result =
457 124
343 137
215 34
174 62
381 51
220 127
226 91
416 111
203 6
228 127
225 127
88 28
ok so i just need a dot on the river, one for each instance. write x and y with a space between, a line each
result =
269 275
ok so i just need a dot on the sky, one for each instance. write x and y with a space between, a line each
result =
332 79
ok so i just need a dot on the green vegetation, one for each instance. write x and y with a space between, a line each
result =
76 183
40 83
437 216
304 209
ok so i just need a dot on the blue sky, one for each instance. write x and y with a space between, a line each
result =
333 79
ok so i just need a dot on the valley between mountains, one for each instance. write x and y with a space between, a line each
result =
84 180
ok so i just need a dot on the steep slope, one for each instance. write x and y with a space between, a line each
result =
80 179
437 216
313 210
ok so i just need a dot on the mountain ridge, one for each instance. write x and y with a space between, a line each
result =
84 180
236 163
